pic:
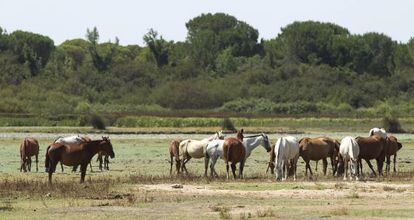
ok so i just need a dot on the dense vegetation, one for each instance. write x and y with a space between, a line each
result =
310 68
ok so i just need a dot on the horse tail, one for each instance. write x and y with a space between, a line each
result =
47 159
229 152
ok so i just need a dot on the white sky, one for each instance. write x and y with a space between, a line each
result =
130 20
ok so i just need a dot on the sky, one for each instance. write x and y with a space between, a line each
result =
130 20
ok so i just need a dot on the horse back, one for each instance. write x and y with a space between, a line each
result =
370 147
233 150
29 147
315 148
174 147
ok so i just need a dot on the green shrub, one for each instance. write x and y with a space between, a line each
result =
97 122
392 124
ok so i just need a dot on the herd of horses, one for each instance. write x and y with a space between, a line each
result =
70 151
345 156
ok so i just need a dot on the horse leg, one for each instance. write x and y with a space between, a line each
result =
107 162
345 169
371 167
90 164
184 167
37 163
241 169
212 167
52 169
325 166
395 157
380 164
83 172
171 163
316 166
233 169
206 161
388 164
100 162
177 165
29 164
360 166
227 169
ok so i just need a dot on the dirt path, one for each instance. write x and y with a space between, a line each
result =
329 190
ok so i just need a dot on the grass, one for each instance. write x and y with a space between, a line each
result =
141 161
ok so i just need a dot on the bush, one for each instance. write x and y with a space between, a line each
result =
97 122
393 125
228 125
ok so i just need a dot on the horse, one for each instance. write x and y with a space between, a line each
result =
194 149
348 153
286 155
318 149
337 143
234 152
371 148
28 148
72 155
391 147
215 150
174 155
73 140
379 131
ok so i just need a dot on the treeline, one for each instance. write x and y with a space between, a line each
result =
310 68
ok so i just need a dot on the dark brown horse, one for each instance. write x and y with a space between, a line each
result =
28 148
72 155
391 147
371 148
319 149
234 152
174 155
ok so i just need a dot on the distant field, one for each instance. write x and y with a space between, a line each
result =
146 124
138 185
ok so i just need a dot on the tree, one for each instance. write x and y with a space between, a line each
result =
32 49
311 42
158 46
209 34
102 55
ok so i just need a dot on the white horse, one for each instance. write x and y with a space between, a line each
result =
379 131
195 148
349 151
214 150
75 139
286 156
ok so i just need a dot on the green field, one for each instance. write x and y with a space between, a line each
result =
138 185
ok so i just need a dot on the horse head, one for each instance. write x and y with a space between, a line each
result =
107 147
220 135
240 135
266 143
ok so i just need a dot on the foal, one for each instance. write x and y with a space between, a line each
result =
75 155
28 148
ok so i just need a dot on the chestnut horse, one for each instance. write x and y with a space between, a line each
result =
28 148
319 149
371 148
73 140
173 148
391 148
234 152
72 155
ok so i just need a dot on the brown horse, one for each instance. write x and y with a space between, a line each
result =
319 149
28 148
71 155
174 155
391 148
371 148
234 152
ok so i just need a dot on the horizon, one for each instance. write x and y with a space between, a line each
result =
130 21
